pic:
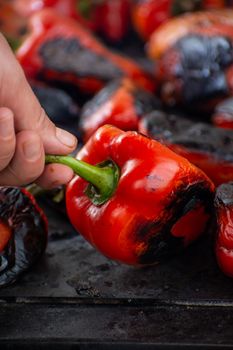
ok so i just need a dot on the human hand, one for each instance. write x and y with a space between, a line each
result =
26 132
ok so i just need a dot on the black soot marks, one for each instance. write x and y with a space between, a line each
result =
161 243
29 234
173 129
224 195
70 56
203 60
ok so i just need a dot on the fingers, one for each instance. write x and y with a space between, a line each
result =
17 95
55 175
7 137
27 163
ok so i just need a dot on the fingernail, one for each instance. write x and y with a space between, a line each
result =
6 125
32 150
66 138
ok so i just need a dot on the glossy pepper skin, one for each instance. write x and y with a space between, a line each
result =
224 240
121 103
23 233
194 58
148 15
207 147
59 49
161 203
223 114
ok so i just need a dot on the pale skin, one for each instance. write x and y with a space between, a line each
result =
26 132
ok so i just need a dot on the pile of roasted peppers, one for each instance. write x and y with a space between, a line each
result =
155 170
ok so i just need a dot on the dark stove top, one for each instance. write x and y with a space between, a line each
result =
77 299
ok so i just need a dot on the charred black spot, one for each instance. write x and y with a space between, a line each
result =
203 60
173 129
29 236
70 56
161 125
162 243
224 195
181 6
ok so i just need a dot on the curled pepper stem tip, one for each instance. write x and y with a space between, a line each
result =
102 178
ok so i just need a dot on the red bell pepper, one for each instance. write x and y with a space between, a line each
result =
224 240
148 15
207 147
194 58
121 103
223 114
60 49
23 233
144 202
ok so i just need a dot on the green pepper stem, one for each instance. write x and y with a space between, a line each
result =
103 177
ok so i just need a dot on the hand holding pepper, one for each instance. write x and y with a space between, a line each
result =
26 132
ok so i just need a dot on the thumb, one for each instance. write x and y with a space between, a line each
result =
17 95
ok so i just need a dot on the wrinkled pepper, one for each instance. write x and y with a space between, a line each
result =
204 145
121 103
23 233
224 239
138 202
59 49
194 59
148 15
223 114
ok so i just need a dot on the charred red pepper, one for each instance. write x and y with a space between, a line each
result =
224 240
144 202
194 58
121 103
207 147
59 49
148 15
223 114
23 233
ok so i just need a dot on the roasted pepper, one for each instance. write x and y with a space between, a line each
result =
207 147
23 233
148 15
194 58
59 49
224 215
145 202
223 114
121 103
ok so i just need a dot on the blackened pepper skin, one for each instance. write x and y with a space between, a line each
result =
224 216
27 226
204 145
121 103
58 49
199 71
194 58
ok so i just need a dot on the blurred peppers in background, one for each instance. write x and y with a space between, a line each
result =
58 49
148 15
